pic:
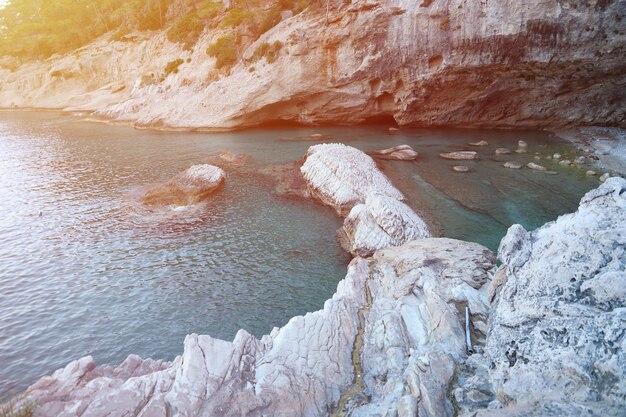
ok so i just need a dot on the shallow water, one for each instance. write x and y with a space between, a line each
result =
84 269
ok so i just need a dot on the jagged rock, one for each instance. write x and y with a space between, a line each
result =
459 155
401 304
480 143
503 151
535 166
460 168
512 165
400 153
189 187
556 330
342 176
380 223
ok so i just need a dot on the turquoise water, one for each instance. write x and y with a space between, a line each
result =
84 269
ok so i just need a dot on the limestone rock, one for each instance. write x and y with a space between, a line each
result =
342 176
380 223
479 143
556 329
400 153
503 151
535 166
512 165
565 162
189 187
460 168
459 155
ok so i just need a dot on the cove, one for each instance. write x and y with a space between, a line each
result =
85 270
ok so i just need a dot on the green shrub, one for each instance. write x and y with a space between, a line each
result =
236 17
186 30
172 66
224 50
268 51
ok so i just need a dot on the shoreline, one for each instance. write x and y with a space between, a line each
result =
332 339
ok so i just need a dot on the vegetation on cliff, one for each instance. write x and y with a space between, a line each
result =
34 29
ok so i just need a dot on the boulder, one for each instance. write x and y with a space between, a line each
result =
512 165
459 155
380 223
341 176
535 166
189 187
399 153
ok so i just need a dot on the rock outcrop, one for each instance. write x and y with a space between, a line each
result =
398 153
388 340
348 180
191 186
432 63
556 340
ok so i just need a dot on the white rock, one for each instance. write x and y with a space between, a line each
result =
342 176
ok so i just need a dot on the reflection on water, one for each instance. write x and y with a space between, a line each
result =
85 270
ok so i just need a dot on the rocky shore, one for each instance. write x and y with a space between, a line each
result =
546 325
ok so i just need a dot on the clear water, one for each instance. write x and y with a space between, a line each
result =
84 269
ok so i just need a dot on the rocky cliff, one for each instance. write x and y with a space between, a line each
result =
506 63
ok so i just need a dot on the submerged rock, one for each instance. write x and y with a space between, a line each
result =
512 165
288 180
230 158
503 151
459 155
400 153
522 147
189 187
479 143
535 166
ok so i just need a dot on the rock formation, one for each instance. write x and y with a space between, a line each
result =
431 63
556 330
399 153
391 340
349 181
189 187
459 155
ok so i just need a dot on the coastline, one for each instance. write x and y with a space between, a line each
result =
202 381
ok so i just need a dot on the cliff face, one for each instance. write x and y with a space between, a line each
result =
508 63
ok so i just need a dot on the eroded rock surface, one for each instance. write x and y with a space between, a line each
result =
507 64
348 180
189 187
556 337
411 337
